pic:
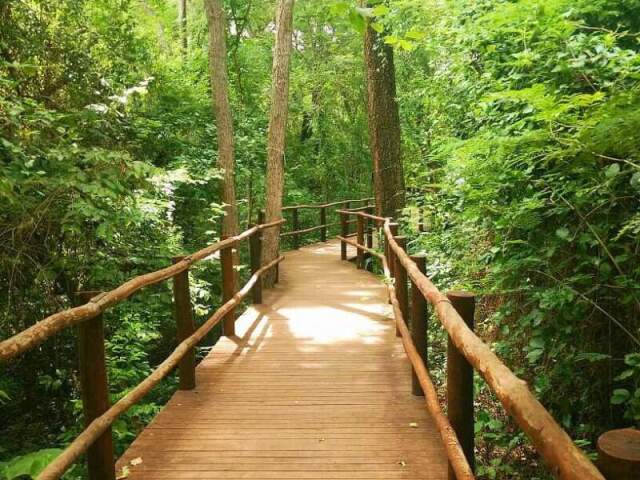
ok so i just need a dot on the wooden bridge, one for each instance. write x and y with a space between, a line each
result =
314 385
323 377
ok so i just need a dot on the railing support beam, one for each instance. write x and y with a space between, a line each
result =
296 226
95 391
344 231
255 252
360 241
369 236
323 221
460 382
228 289
400 276
185 326
418 323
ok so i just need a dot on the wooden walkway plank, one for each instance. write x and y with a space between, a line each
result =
315 386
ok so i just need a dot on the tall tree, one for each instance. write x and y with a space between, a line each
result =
182 21
277 127
384 125
222 110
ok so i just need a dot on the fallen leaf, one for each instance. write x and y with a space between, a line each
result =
413 425
136 461
402 463
322 439
124 474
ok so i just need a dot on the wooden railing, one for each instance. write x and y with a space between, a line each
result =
466 351
298 230
96 439
455 312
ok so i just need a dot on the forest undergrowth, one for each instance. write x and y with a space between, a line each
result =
521 150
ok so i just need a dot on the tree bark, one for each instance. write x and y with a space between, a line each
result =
384 125
277 129
182 20
222 112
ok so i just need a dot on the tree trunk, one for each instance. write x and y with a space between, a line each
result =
182 21
222 112
384 125
277 129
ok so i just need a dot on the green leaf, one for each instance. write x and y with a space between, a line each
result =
415 35
563 233
635 180
619 396
365 12
632 359
339 8
380 10
534 355
4 396
612 170
391 40
592 357
30 465
625 374
378 27
357 21
536 343
406 45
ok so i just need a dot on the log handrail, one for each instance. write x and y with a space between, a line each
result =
46 328
325 205
564 458
554 445
98 426
355 211
323 225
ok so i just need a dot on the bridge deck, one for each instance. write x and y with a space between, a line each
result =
316 386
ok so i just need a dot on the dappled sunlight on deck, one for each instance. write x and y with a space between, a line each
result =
314 386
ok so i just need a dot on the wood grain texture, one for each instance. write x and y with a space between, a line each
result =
315 386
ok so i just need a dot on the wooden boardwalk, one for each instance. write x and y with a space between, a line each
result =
316 386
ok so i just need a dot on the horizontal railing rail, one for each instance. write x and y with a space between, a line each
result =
326 205
46 328
554 445
297 231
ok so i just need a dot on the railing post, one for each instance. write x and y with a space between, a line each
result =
460 382
347 206
228 287
95 391
323 221
421 228
185 326
344 231
619 454
360 241
255 252
400 275
390 254
295 226
368 237
418 323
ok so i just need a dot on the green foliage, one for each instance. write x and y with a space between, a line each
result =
29 465
522 144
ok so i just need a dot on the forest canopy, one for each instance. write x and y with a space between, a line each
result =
519 140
